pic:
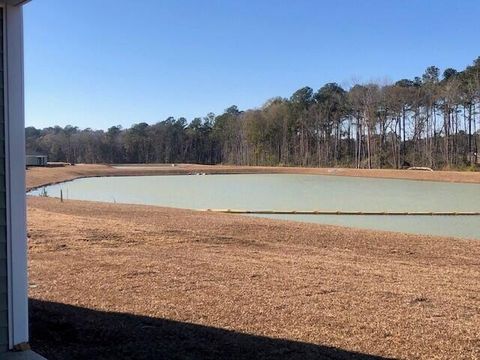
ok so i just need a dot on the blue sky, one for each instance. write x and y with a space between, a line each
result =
108 62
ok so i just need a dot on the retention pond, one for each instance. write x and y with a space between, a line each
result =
296 193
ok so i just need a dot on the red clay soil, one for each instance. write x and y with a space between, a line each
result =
111 281
38 176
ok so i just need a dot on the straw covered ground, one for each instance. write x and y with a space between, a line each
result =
110 281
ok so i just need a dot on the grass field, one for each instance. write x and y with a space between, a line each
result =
110 281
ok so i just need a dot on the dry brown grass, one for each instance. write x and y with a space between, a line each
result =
42 176
378 293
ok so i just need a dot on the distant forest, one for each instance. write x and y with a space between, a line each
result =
432 120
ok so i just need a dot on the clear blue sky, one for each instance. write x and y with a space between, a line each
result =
107 62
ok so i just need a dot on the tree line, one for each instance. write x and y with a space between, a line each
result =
432 120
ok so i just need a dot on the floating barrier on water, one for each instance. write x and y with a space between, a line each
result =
329 212
421 168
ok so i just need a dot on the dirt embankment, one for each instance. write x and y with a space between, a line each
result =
38 176
122 281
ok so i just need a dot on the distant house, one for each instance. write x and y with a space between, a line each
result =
37 160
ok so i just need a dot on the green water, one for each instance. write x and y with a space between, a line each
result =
296 192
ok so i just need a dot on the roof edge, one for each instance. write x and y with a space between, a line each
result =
15 2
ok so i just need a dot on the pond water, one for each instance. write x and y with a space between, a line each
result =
296 192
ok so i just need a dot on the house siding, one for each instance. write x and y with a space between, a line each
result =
3 230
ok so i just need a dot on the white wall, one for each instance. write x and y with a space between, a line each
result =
15 169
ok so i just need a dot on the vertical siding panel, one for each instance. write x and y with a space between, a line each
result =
3 232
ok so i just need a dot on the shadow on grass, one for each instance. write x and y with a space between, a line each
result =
60 331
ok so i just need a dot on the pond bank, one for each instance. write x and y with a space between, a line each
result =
38 177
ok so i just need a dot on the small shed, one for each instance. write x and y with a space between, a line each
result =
37 160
